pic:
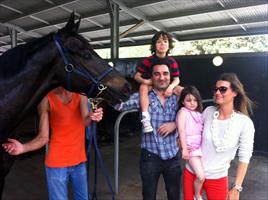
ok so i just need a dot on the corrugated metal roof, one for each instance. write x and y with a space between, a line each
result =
185 19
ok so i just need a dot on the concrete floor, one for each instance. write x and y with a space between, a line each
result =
26 181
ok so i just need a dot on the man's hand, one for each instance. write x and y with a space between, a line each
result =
13 147
185 154
97 115
166 128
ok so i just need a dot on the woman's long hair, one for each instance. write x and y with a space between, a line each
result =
242 102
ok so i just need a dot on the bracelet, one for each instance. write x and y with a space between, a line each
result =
238 187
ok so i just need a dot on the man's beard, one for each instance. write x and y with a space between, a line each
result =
160 87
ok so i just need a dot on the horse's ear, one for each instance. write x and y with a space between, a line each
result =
70 26
76 26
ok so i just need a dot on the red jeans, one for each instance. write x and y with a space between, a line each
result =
216 189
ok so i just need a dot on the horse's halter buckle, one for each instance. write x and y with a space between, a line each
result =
101 88
69 68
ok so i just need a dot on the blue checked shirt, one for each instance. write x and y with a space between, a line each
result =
164 147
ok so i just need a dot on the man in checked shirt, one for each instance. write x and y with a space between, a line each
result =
159 149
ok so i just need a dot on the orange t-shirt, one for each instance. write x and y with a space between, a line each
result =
67 142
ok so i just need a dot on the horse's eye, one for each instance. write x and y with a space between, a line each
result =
87 56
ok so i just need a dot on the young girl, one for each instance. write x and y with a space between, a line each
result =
190 126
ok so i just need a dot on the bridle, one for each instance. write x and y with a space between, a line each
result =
70 69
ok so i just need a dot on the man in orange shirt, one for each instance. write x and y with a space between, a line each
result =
67 115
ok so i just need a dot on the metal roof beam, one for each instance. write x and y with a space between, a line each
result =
143 3
60 21
215 25
29 14
141 16
63 20
123 44
100 44
107 26
131 40
50 2
142 33
31 11
172 29
39 19
185 28
128 31
94 22
95 28
227 33
210 9
10 8
232 16
84 17
21 30
138 15
2 42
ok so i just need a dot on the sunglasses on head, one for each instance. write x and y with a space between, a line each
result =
222 89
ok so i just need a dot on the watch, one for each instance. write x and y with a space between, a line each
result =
238 188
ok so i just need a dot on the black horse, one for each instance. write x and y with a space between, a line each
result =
28 72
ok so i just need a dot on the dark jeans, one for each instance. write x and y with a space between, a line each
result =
151 167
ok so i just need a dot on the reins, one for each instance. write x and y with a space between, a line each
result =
71 68
92 143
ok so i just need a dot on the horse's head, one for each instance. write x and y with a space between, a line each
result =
83 70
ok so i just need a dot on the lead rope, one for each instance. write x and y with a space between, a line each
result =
92 141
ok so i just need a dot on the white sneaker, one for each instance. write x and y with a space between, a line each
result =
146 125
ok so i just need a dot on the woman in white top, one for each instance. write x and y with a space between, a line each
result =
227 128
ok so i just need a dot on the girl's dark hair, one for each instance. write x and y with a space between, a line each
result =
193 91
242 102
165 35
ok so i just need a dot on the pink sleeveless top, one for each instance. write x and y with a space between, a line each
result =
193 130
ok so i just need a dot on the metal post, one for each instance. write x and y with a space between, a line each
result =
116 147
114 15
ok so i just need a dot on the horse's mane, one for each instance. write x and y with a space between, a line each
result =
14 60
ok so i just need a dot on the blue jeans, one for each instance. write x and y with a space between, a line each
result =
151 167
59 178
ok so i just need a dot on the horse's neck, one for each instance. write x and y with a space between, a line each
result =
24 90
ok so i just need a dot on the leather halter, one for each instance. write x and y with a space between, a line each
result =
70 68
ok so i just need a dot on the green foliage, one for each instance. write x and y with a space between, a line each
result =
255 43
